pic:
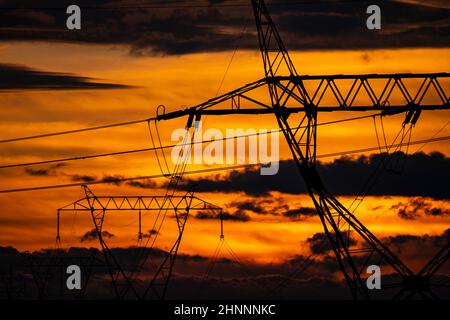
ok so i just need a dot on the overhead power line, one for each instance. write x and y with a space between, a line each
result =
84 157
334 154
92 156
119 124
118 153
226 168
59 133
434 135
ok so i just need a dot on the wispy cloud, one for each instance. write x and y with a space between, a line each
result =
92 235
18 77
418 207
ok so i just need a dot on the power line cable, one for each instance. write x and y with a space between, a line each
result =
434 135
238 42
84 157
117 180
334 154
119 124
45 135
118 153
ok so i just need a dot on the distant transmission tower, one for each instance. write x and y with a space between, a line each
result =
123 283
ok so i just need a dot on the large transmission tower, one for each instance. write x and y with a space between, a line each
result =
296 101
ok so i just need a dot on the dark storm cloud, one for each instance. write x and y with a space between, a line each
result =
205 26
16 77
438 241
425 175
272 206
262 206
418 207
237 216
112 179
319 244
115 179
299 213
39 172
257 206
150 233
83 178
91 235
46 172
52 172
419 249
144 184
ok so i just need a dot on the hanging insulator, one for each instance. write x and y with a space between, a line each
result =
416 116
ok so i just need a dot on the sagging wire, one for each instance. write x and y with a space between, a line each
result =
307 262
386 158
159 141
215 256
239 262
210 267
175 177
72 223
392 164
405 153
398 150
432 137
223 243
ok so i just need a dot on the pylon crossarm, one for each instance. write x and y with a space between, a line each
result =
387 93
101 204
232 99
144 203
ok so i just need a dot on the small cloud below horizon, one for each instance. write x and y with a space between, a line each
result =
91 235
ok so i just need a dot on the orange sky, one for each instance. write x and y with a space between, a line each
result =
27 220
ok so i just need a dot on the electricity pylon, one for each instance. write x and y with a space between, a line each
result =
97 206
296 101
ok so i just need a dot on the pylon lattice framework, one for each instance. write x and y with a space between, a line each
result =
296 101
97 206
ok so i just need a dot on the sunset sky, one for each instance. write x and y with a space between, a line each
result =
124 63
